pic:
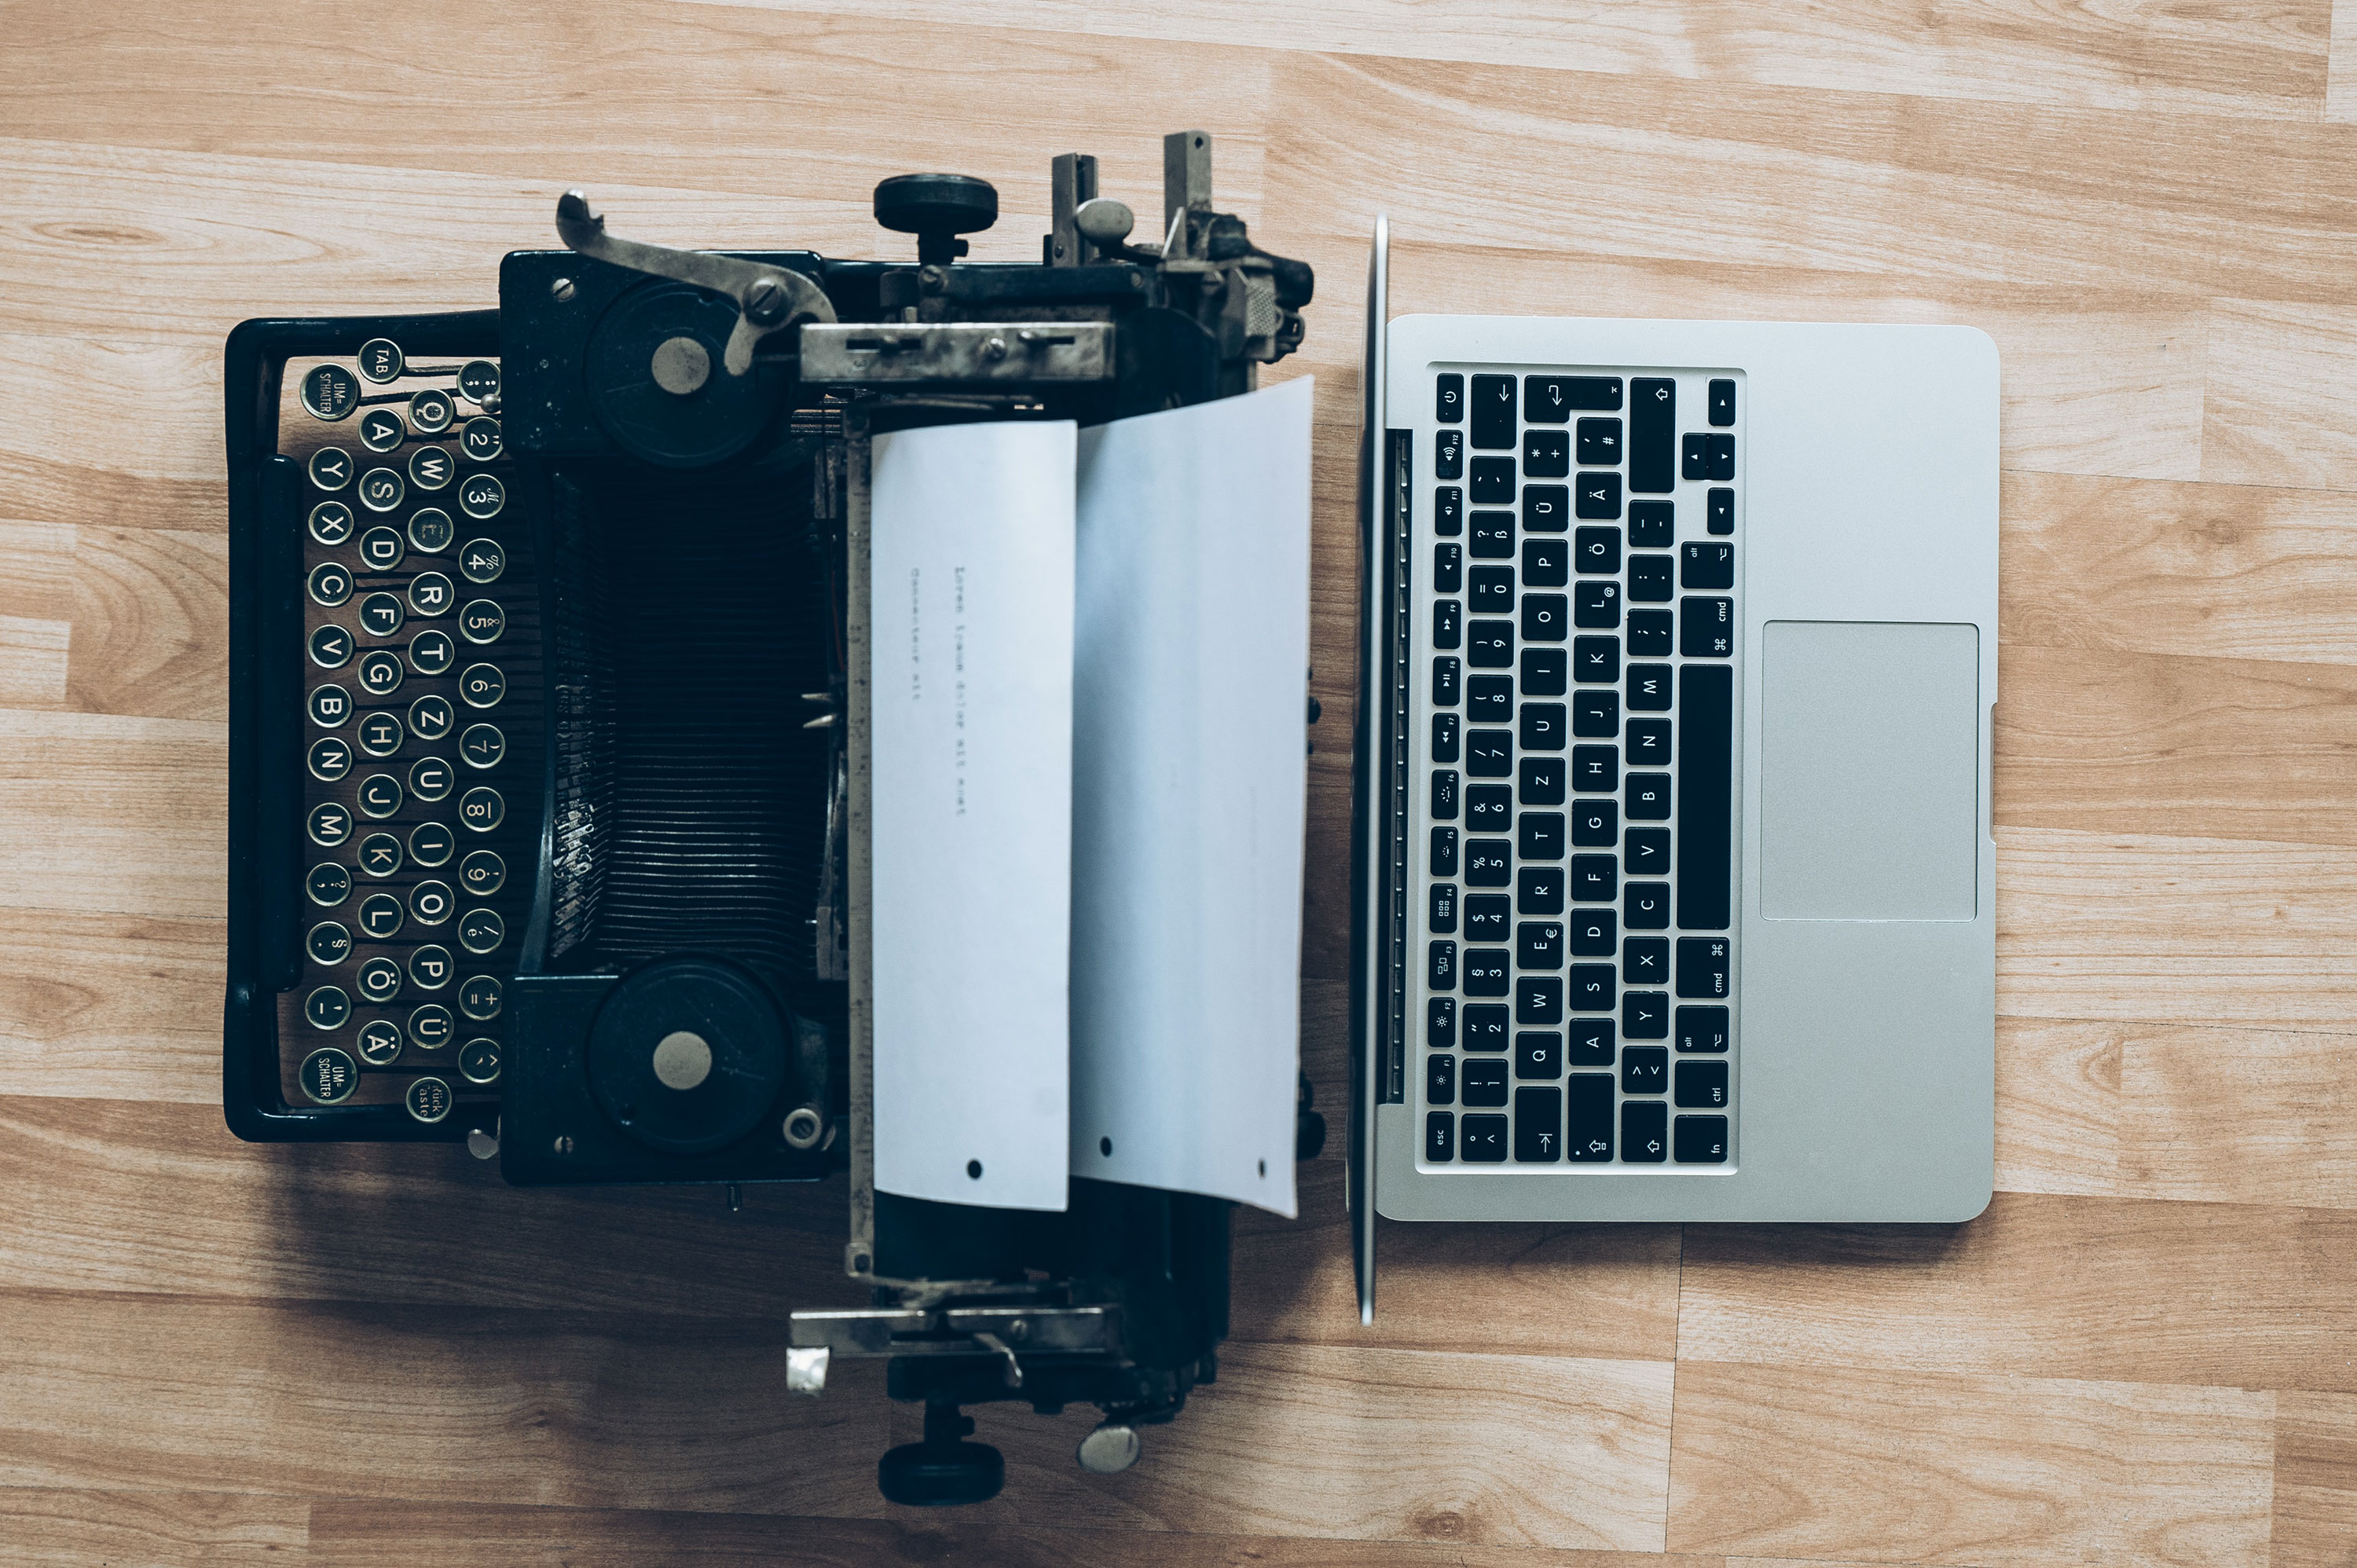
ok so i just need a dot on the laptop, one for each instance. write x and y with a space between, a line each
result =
1674 883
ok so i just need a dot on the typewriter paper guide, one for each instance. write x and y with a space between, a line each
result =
1189 688
971 618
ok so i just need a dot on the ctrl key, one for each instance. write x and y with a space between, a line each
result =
1700 1140
329 1076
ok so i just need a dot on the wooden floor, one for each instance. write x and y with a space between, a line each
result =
2145 1353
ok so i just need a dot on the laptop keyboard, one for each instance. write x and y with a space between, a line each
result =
1577 805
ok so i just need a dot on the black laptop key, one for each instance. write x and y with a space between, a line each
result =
1597 551
1595 660
1444 794
1491 590
1448 399
1595 824
1440 1021
1485 971
1707 563
1546 454
1486 1027
1538 944
1649 743
1546 508
1447 567
1596 712
1542 726
1702 1029
1644 1070
1587 1137
1448 623
1706 627
1440 1080
1645 961
1538 1126
1546 563
1440 966
1481 1139
1650 634
1644 1015
1539 1053
1648 797
1597 496
1484 1082
1652 437
1489 809
1489 753
1591 933
1701 1086
1652 525
1543 672
1703 967
1543 780
1487 915
1539 890
1490 699
1542 835
1645 906
1494 536
1600 442
1493 411
1648 852
1448 454
1699 1140
1493 481
1590 1042
1543 615
1721 515
1591 987
1708 456
1596 769
1444 738
1706 796
1649 688
1488 862
1446 670
1644 1131
1440 911
1443 857
1595 879
1596 606
1722 403
1490 645
1552 400
1651 580
1448 510
1538 999
1439 1136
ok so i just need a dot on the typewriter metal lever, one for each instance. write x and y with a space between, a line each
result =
769 299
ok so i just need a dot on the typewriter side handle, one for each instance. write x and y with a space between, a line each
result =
266 716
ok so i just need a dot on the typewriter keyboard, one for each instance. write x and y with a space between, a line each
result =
1577 536
422 739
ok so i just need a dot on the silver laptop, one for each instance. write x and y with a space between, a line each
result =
1674 880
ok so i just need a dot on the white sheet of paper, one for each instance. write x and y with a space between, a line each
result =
971 560
1191 653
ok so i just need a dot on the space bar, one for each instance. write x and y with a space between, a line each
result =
1705 872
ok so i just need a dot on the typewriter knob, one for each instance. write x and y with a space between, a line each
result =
936 209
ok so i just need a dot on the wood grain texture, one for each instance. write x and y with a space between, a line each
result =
218 1353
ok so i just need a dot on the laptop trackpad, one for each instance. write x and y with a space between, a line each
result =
1869 772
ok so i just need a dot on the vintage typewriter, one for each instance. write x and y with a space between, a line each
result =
548 761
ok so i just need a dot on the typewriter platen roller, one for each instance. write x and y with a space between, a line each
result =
548 750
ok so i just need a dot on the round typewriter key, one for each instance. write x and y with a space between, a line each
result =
379 980
430 1025
380 1042
327 1007
431 411
482 686
330 707
329 392
482 621
481 497
380 795
381 489
331 523
329 942
481 809
381 614
482 745
329 1075
328 884
380 855
430 967
330 583
431 529
479 998
431 843
430 594
330 468
381 549
430 652
380 915
429 1098
482 931
478 382
483 560
331 646
430 717
483 873
381 360
430 780
381 430
330 758
380 674
431 468
429 902
478 1058
482 439
379 734
328 824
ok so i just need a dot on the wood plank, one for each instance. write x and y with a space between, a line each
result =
135 831
143 471
2316 1480
1786 1462
151 623
33 656
111 1008
160 1200
1504 1451
2277 408
2244 1295
2058 1106
2239 1116
51 1527
2182 930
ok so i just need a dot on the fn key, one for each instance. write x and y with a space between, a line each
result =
1538 1125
